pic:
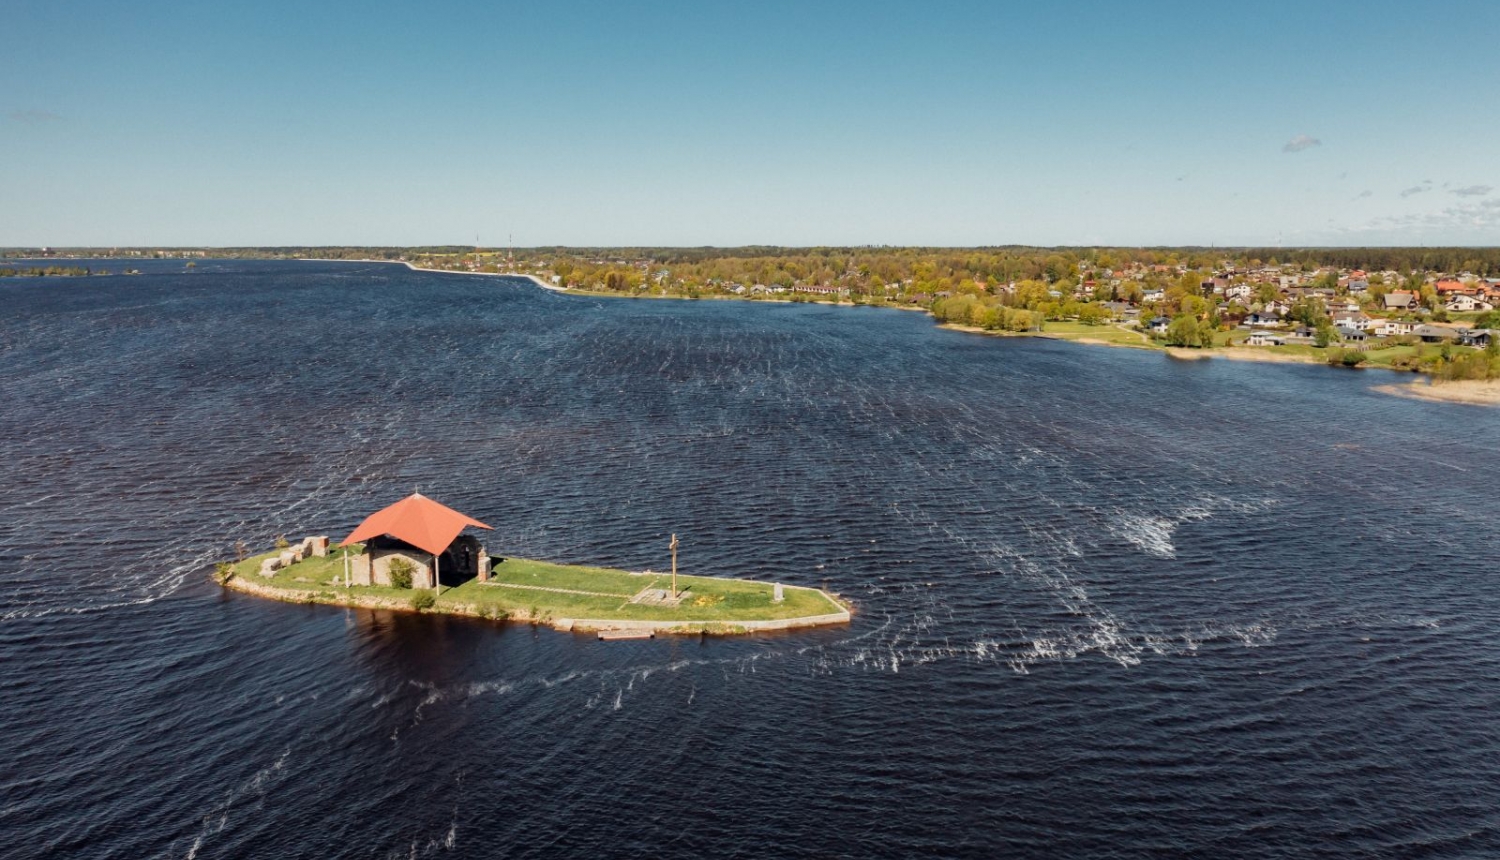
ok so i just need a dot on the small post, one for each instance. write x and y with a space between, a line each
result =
437 586
346 567
673 547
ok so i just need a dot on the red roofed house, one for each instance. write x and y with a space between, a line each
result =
1451 286
424 533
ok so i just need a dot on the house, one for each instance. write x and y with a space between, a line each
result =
1400 300
1434 334
1391 328
1352 335
1478 337
1263 318
1466 302
1278 306
422 536
1264 338
1159 325
1448 286
1356 319
1239 291
821 290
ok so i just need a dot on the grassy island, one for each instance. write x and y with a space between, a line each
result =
566 597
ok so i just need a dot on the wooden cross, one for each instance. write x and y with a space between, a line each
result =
673 547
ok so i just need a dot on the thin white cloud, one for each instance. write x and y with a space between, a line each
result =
1363 194
34 117
1473 191
1476 221
1415 189
1301 142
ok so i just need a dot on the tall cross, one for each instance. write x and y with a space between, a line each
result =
673 547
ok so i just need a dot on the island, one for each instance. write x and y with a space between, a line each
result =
411 557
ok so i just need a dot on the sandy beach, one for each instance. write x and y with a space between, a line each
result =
1474 392
1241 353
415 268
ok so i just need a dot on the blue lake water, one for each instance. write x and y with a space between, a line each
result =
1109 604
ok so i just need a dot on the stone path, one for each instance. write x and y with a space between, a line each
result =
556 590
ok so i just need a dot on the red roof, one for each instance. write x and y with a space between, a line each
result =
416 519
1450 286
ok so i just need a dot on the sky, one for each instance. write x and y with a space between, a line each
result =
1152 122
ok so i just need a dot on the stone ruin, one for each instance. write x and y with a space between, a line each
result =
316 546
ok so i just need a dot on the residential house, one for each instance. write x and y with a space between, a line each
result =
1356 319
1477 337
1264 338
1159 325
1392 328
1400 300
1352 335
1434 334
1263 318
1465 302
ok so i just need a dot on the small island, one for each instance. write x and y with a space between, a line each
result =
411 557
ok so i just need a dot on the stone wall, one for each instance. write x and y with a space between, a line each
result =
373 566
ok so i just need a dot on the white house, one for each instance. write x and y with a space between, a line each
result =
1264 338
1466 302
1389 328
1356 319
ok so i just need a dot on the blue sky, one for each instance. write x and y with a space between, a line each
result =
582 123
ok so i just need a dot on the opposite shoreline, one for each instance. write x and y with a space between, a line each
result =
1466 392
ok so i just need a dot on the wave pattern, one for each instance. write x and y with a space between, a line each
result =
1108 604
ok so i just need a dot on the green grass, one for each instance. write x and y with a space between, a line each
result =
1108 333
725 601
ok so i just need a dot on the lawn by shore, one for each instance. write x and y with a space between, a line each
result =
566 597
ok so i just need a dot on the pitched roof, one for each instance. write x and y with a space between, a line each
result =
417 520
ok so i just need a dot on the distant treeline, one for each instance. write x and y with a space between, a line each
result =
1011 262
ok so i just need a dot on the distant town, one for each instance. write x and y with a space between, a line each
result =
1429 310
